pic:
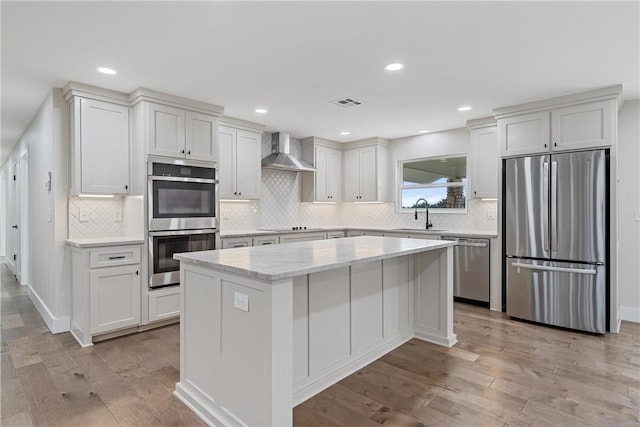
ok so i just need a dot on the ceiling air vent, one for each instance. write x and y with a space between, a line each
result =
346 102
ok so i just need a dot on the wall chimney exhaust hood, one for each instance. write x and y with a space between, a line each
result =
280 157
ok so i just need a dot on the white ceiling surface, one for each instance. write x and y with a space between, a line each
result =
293 58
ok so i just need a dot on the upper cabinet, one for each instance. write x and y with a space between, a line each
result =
179 133
366 171
574 122
239 168
325 184
484 158
100 149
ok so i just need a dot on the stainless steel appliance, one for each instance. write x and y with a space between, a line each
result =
556 239
471 262
181 215
163 269
181 196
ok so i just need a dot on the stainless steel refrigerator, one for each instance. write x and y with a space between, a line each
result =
556 239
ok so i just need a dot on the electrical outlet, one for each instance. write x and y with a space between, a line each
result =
491 214
84 215
117 215
241 301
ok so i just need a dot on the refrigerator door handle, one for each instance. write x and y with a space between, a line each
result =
545 206
560 269
554 206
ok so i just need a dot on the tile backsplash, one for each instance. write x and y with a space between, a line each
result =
98 217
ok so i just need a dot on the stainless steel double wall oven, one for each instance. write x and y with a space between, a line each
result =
181 215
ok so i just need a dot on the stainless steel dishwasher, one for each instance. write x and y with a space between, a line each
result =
471 258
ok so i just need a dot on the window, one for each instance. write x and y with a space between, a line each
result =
442 181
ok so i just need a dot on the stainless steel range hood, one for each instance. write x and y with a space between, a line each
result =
280 157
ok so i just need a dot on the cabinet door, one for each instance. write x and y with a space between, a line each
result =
227 161
351 175
235 242
524 134
114 298
485 162
582 126
201 136
104 147
368 175
248 165
165 130
322 175
334 175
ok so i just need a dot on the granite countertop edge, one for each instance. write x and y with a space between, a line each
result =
89 242
465 233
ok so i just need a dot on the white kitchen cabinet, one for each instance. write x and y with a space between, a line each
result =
335 234
364 174
325 184
114 298
179 133
360 175
525 134
105 291
164 303
582 126
239 169
236 242
573 122
100 151
265 240
301 237
485 165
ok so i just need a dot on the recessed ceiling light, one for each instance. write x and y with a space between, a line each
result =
394 66
465 108
108 71
345 132
423 131
261 111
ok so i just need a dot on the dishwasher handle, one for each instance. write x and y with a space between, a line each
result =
472 245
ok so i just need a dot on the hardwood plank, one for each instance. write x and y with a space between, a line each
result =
23 419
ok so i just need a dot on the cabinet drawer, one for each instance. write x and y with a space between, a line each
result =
164 304
236 242
114 255
335 234
267 240
301 237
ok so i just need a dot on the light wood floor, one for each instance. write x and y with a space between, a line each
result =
501 372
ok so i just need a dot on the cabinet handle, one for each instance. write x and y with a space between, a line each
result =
126 187
555 144
545 145
474 193
189 152
117 257
235 193
182 151
239 245
137 273
239 194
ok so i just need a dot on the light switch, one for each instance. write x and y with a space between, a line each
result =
84 215
241 301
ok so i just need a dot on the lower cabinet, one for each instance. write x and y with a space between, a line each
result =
164 303
301 237
235 242
105 290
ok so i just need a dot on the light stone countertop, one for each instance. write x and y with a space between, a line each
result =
456 233
297 259
91 242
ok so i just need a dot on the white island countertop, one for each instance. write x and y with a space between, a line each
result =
296 259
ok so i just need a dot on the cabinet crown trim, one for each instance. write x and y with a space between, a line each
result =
484 122
609 92
315 140
241 124
144 94
73 89
366 143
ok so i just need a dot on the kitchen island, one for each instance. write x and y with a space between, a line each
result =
265 328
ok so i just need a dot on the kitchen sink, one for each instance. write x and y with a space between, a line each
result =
430 230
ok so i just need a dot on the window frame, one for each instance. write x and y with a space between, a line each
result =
400 186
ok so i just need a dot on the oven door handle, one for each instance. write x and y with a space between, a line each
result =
182 232
183 179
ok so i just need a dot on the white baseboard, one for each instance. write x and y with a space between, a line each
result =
630 314
55 324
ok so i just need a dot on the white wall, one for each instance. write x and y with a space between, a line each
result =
628 202
47 144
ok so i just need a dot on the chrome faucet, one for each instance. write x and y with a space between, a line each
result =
428 224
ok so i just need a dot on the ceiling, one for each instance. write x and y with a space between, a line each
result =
294 58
